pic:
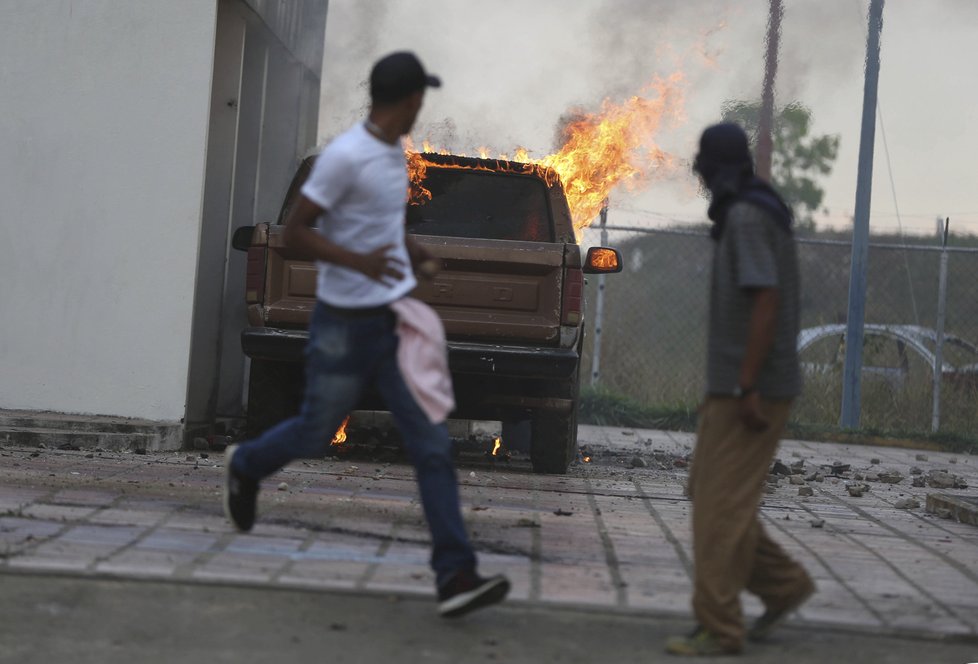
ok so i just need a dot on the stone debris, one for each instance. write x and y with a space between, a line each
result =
837 468
921 457
943 513
916 470
638 462
919 481
796 455
940 479
857 490
806 491
779 468
906 504
874 461
817 523
796 479
283 486
857 475
953 460
797 468
773 480
890 477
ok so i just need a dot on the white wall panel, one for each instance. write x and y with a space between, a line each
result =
103 135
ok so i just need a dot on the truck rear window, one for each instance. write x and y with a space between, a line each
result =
476 204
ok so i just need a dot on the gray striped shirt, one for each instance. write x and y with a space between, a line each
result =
753 252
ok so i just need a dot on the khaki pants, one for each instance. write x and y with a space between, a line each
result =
731 551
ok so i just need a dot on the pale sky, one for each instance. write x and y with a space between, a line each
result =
512 68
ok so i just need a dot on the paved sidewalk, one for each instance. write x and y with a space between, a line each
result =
605 536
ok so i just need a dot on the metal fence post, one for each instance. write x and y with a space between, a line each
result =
599 305
852 371
935 422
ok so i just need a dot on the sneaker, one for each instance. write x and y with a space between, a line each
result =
240 495
771 618
467 591
700 643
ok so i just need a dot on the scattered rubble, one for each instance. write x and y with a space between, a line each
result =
817 523
796 480
906 504
940 479
890 477
837 468
638 462
874 461
779 468
943 513
921 457
806 491
916 470
283 486
919 481
857 490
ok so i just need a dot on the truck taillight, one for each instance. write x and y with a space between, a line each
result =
255 276
570 307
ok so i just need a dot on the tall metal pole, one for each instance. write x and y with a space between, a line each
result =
765 125
599 305
935 422
852 374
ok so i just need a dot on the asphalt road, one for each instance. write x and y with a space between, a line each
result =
53 619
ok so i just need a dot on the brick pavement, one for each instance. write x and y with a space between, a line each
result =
605 535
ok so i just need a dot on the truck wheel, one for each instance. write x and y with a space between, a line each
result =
274 394
553 436
554 442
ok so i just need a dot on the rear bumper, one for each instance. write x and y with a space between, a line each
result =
463 357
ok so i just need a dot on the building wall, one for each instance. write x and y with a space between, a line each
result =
103 133
264 106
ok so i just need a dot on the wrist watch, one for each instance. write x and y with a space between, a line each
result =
740 391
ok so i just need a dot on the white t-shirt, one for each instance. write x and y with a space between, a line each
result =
362 183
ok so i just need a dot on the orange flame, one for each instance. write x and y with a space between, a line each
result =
600 151
604 258
340 437
496 445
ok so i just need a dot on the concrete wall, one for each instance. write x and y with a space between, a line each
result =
103 134
263 119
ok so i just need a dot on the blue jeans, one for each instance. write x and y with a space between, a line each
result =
344 356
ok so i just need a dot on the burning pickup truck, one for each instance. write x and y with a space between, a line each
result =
510 294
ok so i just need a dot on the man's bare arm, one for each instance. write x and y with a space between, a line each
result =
302 236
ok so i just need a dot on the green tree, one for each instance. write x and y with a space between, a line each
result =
798 160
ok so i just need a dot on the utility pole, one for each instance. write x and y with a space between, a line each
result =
599 305
765 125
852 372
935 422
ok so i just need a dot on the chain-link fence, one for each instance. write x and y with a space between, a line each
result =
652 322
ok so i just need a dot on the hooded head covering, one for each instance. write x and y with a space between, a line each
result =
727 168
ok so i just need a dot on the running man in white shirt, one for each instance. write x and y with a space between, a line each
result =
350 218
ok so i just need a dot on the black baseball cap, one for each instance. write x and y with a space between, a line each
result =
399 75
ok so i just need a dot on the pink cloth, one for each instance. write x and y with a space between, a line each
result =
423 357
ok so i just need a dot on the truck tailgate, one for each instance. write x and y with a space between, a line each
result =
503 291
